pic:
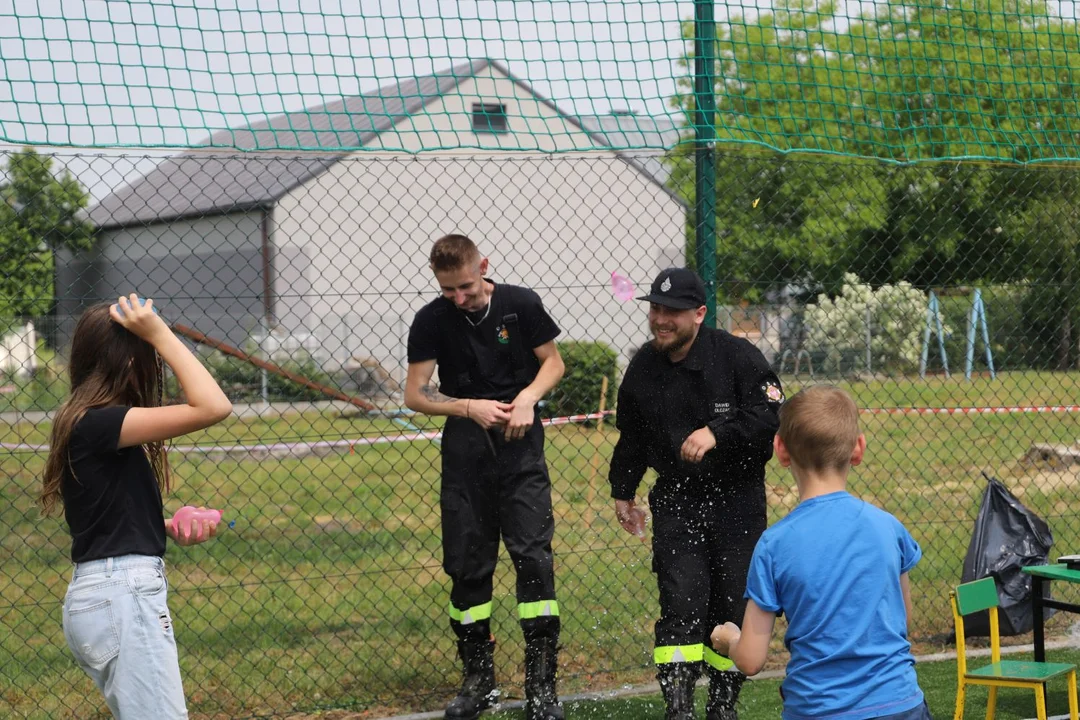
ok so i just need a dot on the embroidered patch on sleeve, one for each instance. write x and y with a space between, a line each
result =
773 392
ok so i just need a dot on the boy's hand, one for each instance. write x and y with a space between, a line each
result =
723 636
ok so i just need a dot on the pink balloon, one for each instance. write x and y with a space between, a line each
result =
187 516
622 287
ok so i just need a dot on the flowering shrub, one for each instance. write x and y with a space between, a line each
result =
896 315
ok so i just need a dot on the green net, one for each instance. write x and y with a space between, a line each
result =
273 176
902 81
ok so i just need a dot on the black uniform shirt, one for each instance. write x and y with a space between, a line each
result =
112 501
476 361
725 383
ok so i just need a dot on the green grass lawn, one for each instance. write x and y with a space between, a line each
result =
760 699
329 591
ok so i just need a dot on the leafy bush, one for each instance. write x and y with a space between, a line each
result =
587 363
242 381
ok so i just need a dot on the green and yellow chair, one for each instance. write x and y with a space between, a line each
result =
982 595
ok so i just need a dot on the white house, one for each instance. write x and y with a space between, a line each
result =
333 244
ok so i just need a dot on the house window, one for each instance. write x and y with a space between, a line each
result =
489 118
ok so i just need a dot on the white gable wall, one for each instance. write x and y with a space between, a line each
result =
560 224
447 123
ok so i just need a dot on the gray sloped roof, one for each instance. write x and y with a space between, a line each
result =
630 130
201 182
648 138
198 182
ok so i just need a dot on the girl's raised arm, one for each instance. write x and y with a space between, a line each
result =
206 402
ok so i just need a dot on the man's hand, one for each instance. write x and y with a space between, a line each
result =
723 636
631 517
700 442
489 413
521 417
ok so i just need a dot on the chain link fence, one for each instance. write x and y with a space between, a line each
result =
327 589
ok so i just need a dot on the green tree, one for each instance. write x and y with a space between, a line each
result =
39 213
1041 209
910 82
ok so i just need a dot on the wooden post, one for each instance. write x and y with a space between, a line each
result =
598 440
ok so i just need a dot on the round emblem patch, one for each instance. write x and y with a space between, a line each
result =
774 393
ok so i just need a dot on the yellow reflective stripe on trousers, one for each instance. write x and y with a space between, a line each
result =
677 654
540 608
473 614
716 660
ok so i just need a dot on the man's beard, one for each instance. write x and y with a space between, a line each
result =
677 342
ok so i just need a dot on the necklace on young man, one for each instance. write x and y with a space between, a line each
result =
487 311
477 323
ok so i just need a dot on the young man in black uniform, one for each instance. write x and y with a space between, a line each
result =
699 406
495 349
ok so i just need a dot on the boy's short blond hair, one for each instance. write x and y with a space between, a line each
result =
819 427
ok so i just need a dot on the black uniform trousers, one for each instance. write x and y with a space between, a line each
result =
702 546
492 488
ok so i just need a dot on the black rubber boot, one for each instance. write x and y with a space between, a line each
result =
724 686
541 668
677 685
478 691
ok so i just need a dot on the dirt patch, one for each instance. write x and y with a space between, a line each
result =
345 714
1046 481
1054 456
329 524
1018 475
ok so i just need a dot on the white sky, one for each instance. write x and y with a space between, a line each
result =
157 73
166 73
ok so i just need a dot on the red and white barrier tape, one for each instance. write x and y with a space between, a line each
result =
317 444
566 420
1001 410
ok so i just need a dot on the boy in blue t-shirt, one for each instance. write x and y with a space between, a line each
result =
837 568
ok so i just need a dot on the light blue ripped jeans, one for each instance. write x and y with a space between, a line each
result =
119 628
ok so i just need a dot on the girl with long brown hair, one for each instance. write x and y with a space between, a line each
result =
108 469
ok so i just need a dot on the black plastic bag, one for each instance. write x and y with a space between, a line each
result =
1007 537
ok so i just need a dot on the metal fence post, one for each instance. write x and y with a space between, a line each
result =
705 160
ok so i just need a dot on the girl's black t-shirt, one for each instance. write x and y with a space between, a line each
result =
112 501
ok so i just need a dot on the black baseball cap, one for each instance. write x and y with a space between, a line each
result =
678 288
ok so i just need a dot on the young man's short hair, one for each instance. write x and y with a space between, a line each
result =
819 427
453 252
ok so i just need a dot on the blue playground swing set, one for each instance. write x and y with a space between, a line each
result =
976 321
